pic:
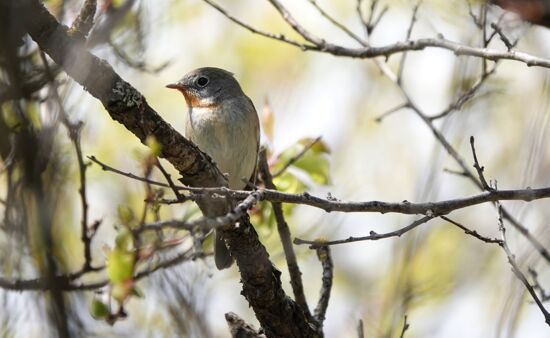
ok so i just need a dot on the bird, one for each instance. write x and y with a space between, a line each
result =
223 123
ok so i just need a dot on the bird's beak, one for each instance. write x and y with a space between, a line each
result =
176 85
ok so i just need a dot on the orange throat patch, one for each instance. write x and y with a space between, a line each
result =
196 102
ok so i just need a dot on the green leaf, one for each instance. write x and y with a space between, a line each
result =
98 309
124 239
136 292
316 166
120 265
126 215
154 145
288 182
313 162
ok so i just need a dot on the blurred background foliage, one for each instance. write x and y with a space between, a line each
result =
448 284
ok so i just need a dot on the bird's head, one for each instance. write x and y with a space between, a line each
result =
207 87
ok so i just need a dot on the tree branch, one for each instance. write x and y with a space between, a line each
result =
332 205
373 236
323 253
286 240
317 44
517 271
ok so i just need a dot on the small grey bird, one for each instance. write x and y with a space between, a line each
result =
223 123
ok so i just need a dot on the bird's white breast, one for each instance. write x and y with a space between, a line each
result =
229 133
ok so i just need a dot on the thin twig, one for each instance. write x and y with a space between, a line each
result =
286 239
106 167
323 253
381 117
295 25
136 64
336 23
373 236
179 196
279 37
479 168
360 329
361 17
466 96
406 326
208 223
455 172
517 271
74 130
65 282
408 37
485 41
502 36
475 19
472 232
544 295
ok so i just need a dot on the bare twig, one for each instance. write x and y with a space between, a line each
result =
295 25
74 130
479 168
208 223
455 172
381 117
502 36
336 23
279 37
373 236
361 17
408 37
466 96
136 64
544 295
370 24
406 326
472 232
323 253
475 19
482 183
517 271
375 21
68 283
106 167
179 196
286 238
86 235
360 329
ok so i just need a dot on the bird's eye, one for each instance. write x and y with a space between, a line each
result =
202 81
